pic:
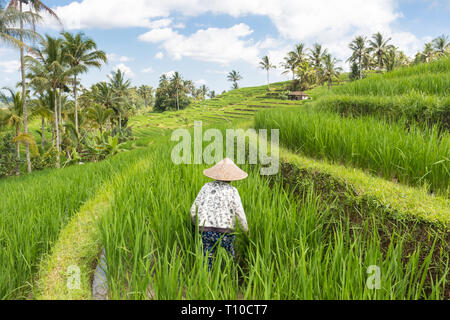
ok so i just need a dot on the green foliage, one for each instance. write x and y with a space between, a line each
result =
45 160
418 94
33 211
300 247
100 147
8 159
172 93
410 155
414 108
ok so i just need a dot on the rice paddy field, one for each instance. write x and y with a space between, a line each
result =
418 95
357 191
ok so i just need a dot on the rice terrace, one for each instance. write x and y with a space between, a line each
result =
331 157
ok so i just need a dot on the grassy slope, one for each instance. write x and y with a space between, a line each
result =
409 144
418 94
234 106
42 204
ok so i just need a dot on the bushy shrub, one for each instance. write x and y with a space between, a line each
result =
8 159
45 160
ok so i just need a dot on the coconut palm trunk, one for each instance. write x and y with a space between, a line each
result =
24 91
58 165
17 152
60 109
76 102
42 133
360 65
268 81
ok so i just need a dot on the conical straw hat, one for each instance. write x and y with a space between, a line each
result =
225 170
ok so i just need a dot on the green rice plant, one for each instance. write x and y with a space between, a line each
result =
413 108
298 248
428 79
34 209
409 155
429 84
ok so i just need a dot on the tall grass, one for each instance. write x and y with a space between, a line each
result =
33 210
430 84
293 252
419 94
411 156
429 79
414 108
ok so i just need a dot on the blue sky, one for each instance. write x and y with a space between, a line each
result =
205 39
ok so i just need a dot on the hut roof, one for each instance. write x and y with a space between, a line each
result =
297 93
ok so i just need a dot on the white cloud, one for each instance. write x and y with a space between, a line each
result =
330 22
161 23
112 57
407 42
200 82
159 55
10 66
296 19
147 70
169 74
220 45
157 35
125 69
216 71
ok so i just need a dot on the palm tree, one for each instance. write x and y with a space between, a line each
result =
380 47
289 66
332 71
120 88
42 107
428 53
266 65
360 54
316 57
9 33
99 115
212 94
36 6
104 95
145 92
49 68
234 76
295 59
203 91
298 54
441 45
81 53
178 85
396 58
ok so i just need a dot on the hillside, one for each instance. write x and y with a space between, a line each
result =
419 94
395 125
316 225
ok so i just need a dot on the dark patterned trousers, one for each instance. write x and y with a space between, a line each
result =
210 241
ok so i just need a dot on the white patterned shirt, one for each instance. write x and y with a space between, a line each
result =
217 206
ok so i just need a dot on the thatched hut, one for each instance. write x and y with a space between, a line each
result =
298 95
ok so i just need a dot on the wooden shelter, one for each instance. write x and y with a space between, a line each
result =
298 95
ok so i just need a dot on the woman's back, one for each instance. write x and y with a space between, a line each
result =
218 205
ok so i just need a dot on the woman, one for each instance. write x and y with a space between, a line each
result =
217 206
